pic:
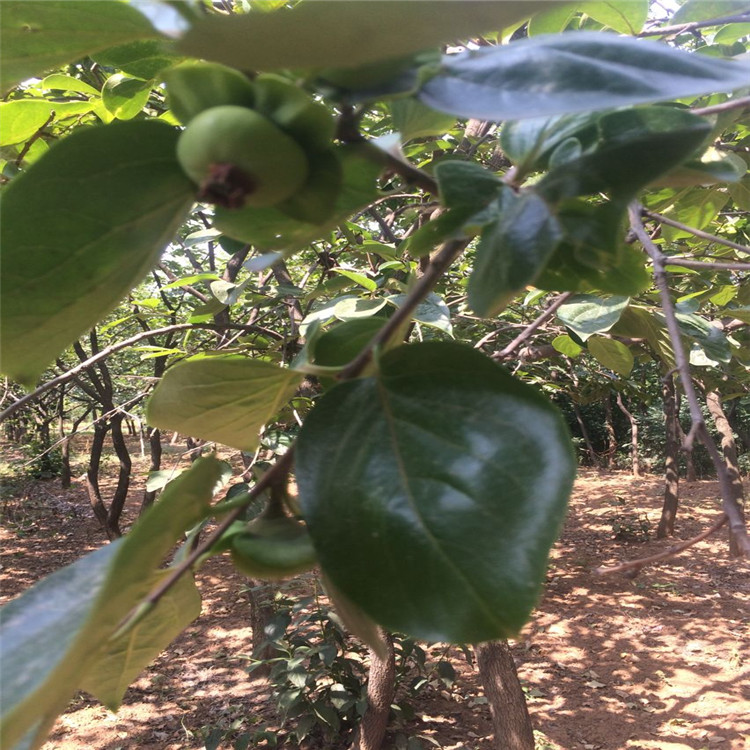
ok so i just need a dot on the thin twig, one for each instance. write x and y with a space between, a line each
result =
633 567
696 232
730 104
30 142
275 474
679 260
439 264
681 28
660 261
529 330
106 352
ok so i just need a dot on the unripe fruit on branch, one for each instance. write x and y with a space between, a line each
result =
295 112
273 548
240 158
195 87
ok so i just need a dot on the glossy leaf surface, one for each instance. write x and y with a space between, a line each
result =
573 72
586 314
70 249
225 399
512 251
434 490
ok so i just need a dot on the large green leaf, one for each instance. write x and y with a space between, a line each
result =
613 354
79 230
123 658
640 322
434 490
573 72
56 633
330 33
512 251
38 35
226 399
657 138
705 10
710 338
586 314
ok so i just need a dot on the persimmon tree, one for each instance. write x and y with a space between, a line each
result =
432 479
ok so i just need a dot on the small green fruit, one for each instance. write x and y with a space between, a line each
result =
197 86
240 158
273 548
295 112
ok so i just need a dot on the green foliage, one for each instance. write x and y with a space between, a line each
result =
432 481
318 673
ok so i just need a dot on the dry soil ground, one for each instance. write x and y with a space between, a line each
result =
659 662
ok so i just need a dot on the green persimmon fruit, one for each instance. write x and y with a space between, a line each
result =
240 158
273 548
295 112
197 86
315 201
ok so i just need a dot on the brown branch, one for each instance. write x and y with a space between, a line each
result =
660 261
696 232
439 264
681 28
529 330
678 260
106 352
633 567
730 104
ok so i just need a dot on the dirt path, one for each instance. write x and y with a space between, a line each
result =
658 662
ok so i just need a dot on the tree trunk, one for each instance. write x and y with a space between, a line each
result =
671 475
502 688
634 463
381 689
65 475
92 476
611 435
736 424
585 434
729 449
154 443
123 477
261 595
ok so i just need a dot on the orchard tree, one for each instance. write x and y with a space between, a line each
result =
354 164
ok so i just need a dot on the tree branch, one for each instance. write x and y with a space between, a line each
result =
529 330
696 232
633 567
106 352
699 429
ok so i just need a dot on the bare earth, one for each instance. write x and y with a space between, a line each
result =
658 662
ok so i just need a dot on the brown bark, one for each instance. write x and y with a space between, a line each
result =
65 474
634 462
261 594
502 688
586 439
123 477
609 427
381 689
671 475
155 449
729 450
92 475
